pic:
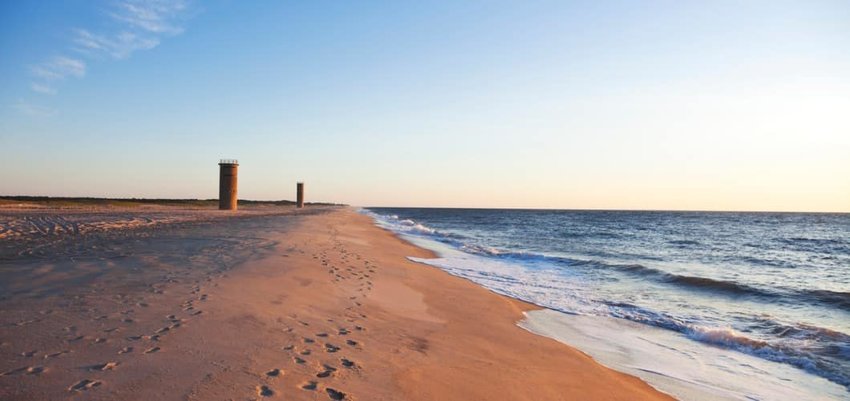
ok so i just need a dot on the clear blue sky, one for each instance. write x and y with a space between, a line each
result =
738 105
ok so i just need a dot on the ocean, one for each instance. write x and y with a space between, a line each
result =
702 305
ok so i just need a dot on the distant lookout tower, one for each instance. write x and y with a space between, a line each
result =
227 184
300 195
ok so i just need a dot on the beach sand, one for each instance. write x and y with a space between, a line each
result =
311 304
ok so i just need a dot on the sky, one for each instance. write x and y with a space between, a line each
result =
697 105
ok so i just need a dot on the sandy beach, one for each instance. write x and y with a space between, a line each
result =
279 303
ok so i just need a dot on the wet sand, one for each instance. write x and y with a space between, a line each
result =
317 304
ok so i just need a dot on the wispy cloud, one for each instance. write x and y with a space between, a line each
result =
58 68
42 88
54 70
119 46
157 16
33 110
142 24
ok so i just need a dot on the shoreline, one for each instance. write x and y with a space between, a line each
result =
320 306
672 362
514 313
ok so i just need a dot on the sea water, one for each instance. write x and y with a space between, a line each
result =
702 305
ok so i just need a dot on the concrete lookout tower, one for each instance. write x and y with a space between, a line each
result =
300 195
227 184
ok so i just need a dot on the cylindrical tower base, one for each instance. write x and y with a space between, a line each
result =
227 184
300 196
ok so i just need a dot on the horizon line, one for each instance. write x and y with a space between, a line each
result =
582 209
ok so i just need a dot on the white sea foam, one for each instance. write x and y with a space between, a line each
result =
679 366
393 223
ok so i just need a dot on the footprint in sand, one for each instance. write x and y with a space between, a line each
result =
310 385
28 354
152 350
103 366
13 371
306 352
326 372
309 340
335 394
274 373
35 370
298 360
30 370
264 391
351 343
348 363
321 334
84 384
331 348
55 354
288 347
